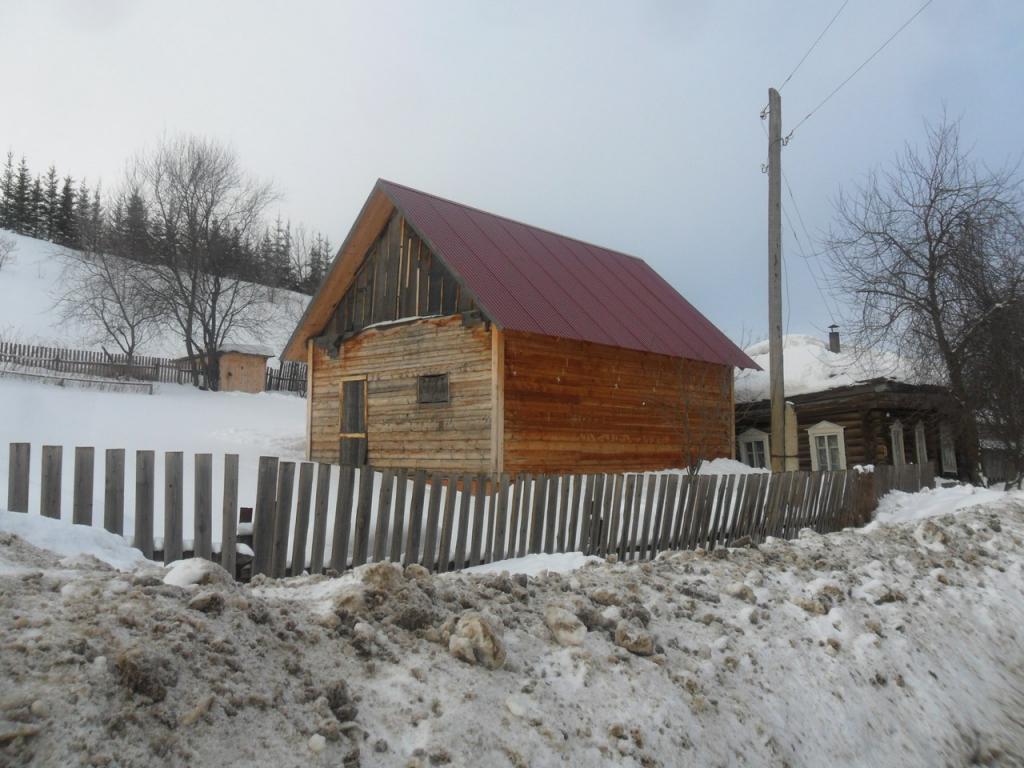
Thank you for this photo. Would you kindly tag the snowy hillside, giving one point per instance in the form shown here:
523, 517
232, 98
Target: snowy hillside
30, 286
811, 367
895, 646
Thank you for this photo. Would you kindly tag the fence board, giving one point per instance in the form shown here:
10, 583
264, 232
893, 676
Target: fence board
477, 531
551, 515
462, 533
513, 517
668, 512
145, 490
501, 519
572, 543
49, 500
323, 490
113, 490
563, 515
364, 509
203, 511
342, 519
524, 515
229, 514
737, 518
540, 488
447, 526
174, 471
81, 507
17, 477
636, 504
609, 536
627, 516
412, 536
301, 532
645, 522
587, 515
263, 515
429, 559
283, 517
380, 533
682, 505
398, 521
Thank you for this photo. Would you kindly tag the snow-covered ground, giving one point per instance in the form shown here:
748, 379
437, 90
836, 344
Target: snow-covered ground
30, 287
894, 646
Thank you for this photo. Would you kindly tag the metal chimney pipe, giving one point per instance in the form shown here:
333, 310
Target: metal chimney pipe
833, 338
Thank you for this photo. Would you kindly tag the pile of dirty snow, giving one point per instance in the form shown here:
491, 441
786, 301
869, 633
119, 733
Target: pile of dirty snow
909, 635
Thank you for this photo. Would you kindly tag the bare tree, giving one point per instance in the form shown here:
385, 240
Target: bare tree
905, 249
109, 296
206, 210
7, 249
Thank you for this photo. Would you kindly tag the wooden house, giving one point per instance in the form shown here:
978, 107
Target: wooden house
446, 337
845, 409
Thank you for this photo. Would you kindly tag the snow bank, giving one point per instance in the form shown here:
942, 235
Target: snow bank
532, 565
811, 367
900, 507
71, 540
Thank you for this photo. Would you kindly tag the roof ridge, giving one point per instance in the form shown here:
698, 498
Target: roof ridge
510, 219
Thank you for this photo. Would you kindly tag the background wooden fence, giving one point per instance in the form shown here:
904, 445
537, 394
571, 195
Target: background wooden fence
290, 377
452, 521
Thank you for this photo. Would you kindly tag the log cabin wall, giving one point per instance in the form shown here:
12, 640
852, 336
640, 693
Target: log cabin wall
573, 406
401, 432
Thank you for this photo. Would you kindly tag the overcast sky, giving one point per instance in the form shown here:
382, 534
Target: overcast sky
633, 125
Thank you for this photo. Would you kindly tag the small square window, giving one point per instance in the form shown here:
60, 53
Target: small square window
432, 389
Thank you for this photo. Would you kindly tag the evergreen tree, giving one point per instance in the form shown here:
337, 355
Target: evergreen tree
134, 236
83, 217
20, 219
7, 193
36, 223
51, 205
64, 217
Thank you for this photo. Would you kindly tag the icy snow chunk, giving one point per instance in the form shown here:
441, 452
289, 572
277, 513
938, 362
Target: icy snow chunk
567, 629
196, 570
534, 565
71, 540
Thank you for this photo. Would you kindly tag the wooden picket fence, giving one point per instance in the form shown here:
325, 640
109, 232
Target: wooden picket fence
290, 377
446, 521
84, 362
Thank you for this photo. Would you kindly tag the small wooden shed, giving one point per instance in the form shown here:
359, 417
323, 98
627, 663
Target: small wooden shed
243, 367
444, 337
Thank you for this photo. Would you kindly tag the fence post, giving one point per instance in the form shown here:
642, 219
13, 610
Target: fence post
263, 515
145, 490
229, 515
17, 477
174, 471
49, 504
282, 518
81, 507
113, 491
202, 519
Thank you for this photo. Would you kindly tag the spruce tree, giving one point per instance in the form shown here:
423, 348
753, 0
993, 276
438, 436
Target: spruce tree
51, 204
135, 237
20, 219
7, 193
83, 215
64, 222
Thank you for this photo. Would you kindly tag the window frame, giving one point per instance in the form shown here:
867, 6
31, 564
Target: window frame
825, 429
947, 449
920, 443
753, 435
447, 389
897, 436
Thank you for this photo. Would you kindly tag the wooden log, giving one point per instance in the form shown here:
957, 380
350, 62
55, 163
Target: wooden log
412, 536
364, 511
648, 516
540, 487
49, 498
550, 518
301, 531
524, 516
263, 515
398, 520
476, 534
561, 533
81, 506
380, 533
462, 532
145, 490
229, 515
444, 549
627, 517
323, 490
283, 517
203, 509
342, 519
501, 519
113, 491
572, 543
174, 471
429, 558
17, 477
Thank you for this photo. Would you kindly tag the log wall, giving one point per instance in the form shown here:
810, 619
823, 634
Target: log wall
400, 431
573, 406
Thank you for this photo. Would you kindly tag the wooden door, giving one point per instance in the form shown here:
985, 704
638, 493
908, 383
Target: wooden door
352, 440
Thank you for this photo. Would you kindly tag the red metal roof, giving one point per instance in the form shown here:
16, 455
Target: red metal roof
529, 279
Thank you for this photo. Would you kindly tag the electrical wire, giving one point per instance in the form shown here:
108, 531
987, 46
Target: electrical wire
813, 45
858, 69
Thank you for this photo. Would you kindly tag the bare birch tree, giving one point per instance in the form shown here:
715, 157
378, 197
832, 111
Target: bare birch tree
905, 249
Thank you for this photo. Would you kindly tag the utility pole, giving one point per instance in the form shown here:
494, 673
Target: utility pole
779, 447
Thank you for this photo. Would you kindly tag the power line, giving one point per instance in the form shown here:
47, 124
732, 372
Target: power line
858, 69
813, 45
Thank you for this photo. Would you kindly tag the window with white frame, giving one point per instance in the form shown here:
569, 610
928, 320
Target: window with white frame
947, 448
828, 446
920, 444
754, 450
899, 454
